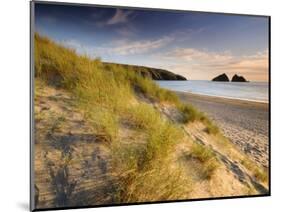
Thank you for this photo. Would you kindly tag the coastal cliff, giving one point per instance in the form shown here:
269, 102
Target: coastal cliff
149, 72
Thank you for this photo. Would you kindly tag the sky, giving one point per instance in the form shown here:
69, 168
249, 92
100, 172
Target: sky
196, 45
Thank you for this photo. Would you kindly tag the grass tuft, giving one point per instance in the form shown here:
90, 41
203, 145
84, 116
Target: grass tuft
211, 128
161, 135
191, 114
103, 122
259, 173
158, 184
207, 158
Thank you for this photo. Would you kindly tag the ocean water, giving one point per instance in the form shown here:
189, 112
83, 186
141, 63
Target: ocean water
251, 91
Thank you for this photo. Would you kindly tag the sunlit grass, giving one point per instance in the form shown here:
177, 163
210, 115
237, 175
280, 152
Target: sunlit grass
145, 169
191, 114
161, 135
104, 92
158, 184
207, 158
259, 173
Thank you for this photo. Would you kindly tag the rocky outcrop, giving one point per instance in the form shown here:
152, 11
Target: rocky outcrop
237, 78
153, 73
179, 77
222, 78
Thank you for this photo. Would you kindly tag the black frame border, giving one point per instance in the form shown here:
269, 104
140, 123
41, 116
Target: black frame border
31, 104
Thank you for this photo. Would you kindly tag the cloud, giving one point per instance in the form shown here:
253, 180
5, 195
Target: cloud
191, 54
202, 64
119, 47
186, 34
125, 47
127, 31
80, 48
72, 43
129, 47
120, 16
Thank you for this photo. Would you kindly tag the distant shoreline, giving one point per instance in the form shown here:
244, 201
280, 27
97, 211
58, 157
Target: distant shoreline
254, 92
223, 97
245, 123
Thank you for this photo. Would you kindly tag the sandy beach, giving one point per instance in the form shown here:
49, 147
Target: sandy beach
245, 123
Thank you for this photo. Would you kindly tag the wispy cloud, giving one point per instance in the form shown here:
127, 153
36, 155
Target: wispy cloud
120, 16
72, 43
131, 47
125, 47
191, 54
186, 34
119, 47
126, 31
202, 64
80, 48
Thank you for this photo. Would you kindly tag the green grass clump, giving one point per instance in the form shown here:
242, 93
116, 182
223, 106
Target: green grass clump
207, 158
211, 128
150, 89
201, 152
143, 116
145, 172
158, 184
144, 167
161, 141
259, 173
191, 114
161, 135
104, 122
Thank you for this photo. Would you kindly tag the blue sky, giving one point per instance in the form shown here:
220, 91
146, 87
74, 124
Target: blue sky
196, 45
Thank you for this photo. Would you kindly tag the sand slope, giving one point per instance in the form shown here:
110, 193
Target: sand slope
73, 165
245, 123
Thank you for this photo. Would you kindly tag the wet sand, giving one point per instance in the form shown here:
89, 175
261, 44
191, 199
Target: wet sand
245, 123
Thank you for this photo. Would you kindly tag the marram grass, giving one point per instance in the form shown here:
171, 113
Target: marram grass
107, 94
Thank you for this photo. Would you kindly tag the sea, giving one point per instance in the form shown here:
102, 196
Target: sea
250, 91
